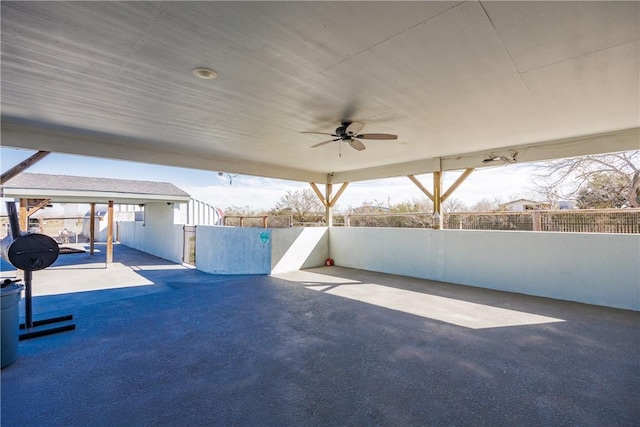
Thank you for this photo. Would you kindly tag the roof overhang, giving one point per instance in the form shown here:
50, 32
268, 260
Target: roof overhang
79, 189
609, 142
102, 197
75, 141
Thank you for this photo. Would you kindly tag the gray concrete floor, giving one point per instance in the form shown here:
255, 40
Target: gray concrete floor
161, 344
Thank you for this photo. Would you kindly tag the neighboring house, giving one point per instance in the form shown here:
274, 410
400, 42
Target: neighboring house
521, 205
566, 204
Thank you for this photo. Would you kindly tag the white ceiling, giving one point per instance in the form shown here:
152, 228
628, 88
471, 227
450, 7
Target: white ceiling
455, 80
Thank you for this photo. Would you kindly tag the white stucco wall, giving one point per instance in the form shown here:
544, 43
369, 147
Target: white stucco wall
230, 250
297, 248
601, 269
157, 235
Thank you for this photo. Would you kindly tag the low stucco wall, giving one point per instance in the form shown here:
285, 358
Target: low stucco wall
297, 248
231, 250
156, 235
600, 269
162, 241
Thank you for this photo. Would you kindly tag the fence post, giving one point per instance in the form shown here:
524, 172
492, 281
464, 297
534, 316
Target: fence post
536, 220
265, 221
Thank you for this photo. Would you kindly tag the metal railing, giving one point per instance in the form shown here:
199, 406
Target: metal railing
592, 221
202, 213
577, 220
399, 220
521, 221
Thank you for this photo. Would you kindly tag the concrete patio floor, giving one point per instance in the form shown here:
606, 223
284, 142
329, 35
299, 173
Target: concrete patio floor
162, 344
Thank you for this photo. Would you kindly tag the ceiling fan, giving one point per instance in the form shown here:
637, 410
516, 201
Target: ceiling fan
348, 132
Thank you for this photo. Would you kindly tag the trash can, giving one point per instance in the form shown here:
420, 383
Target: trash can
10, 321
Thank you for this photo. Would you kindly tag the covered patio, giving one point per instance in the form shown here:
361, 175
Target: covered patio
461, 85
160, 344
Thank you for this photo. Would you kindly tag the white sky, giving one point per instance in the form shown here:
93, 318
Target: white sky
504, 182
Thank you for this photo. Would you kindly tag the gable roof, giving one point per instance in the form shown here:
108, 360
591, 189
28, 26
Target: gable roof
521, 200
82, 189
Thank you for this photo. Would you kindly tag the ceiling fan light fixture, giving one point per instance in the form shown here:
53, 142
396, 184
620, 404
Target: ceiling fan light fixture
491, 158
511, 158
205, 73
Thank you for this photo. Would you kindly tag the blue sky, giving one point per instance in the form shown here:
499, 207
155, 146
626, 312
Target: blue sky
503, 182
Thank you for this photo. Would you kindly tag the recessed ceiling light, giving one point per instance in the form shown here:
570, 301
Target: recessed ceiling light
205, 73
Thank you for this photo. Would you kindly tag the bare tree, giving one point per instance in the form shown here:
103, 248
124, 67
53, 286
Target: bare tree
242, 211
486, 205
454, 205
414, 205
603, 191
304, 205
563, 178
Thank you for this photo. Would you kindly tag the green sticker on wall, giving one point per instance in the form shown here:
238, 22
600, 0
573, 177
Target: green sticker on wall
264, 236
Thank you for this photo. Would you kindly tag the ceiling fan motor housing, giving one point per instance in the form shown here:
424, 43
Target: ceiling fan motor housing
341, 131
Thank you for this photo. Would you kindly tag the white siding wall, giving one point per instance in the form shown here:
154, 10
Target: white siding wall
157, 235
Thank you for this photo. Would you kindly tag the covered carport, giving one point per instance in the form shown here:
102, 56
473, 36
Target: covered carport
462, 86
36, 191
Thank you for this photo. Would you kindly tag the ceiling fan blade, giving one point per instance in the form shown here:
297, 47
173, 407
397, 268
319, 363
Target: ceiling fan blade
358, 145
320, 133
377, 136
323, 143
354, 128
